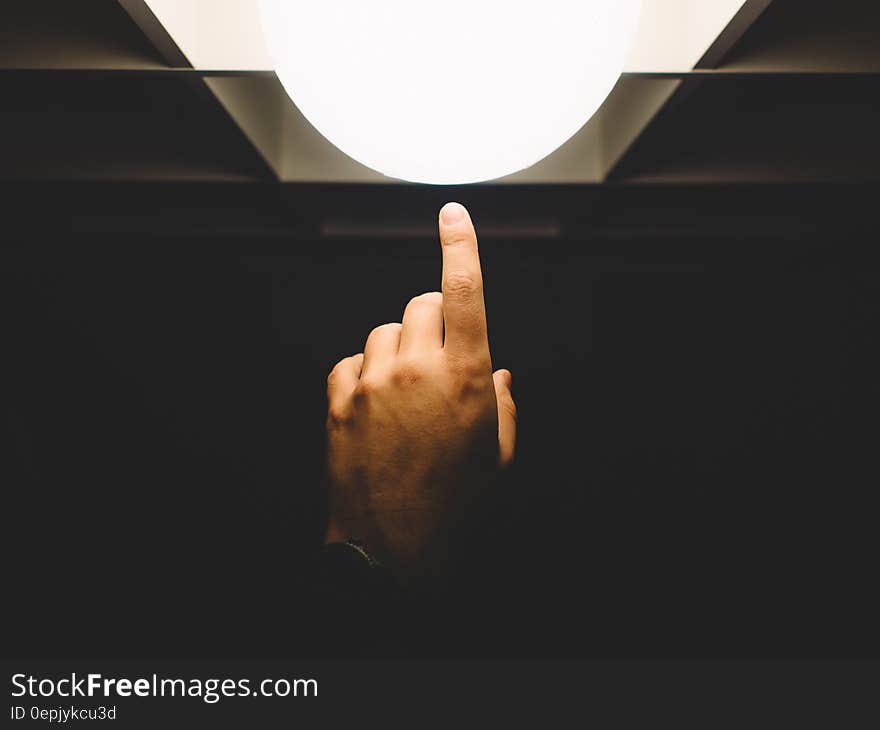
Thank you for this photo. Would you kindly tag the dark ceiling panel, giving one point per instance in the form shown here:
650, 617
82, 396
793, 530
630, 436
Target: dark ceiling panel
801, 129
811, 35
58, 127
72, 34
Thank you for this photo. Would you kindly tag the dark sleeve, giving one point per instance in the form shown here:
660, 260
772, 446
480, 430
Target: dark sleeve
361, 609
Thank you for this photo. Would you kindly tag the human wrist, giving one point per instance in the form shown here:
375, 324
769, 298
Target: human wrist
354, 539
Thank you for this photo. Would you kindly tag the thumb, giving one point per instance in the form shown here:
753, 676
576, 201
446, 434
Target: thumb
506, 417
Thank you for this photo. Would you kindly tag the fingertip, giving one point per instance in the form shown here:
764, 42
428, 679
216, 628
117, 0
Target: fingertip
505, 376
452, 213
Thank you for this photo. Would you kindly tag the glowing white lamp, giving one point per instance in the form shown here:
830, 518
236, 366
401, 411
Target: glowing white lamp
452, 91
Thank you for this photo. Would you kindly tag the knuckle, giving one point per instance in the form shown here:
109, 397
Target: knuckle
333, 375
337, 415
471, 386
462, 284
467, 389
367, 387
408, 372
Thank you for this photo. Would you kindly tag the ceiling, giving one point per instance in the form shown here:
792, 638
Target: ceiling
715, 92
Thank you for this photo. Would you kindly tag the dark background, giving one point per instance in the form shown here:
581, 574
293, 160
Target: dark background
697, 456
694, 347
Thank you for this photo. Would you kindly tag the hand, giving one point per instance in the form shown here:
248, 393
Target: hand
418, 425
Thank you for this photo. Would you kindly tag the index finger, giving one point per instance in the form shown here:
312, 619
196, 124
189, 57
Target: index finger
464, 312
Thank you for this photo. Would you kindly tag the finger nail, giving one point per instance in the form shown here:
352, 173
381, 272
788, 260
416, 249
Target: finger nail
451, 213
508, 377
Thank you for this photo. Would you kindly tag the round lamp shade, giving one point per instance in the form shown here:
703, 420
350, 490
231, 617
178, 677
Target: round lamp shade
454, 91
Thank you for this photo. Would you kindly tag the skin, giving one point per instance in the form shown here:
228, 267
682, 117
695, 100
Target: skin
418, 425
